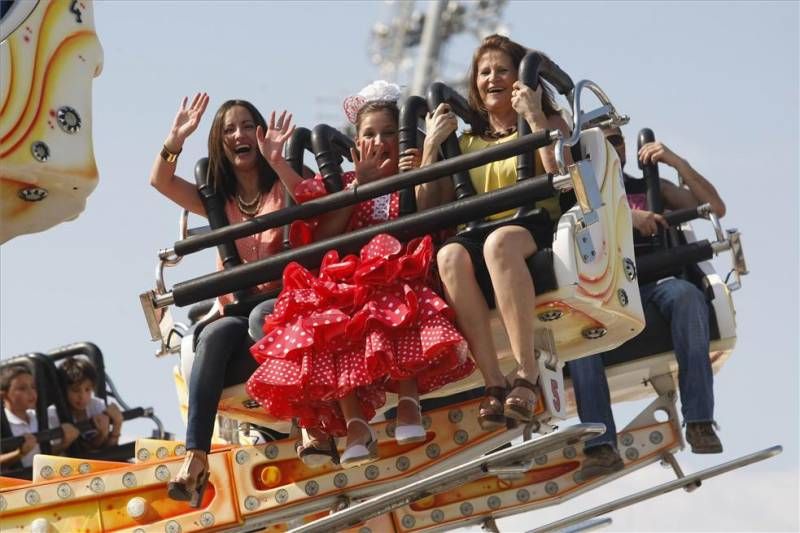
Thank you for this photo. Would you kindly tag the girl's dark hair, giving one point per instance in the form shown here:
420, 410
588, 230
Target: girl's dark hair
219, 168
374, 106
76, 370
516, 52
9, 373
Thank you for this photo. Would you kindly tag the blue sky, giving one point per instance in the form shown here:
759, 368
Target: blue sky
717, 82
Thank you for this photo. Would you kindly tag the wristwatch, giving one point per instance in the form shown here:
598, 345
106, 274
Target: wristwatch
169, 157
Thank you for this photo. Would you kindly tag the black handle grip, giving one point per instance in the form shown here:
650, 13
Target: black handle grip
414, 109
439, 93
679, 216
330, 147
217, 218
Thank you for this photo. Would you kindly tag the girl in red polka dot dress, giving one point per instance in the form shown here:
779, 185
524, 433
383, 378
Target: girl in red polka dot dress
339, 339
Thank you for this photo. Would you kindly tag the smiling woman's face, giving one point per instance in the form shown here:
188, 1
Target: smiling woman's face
495, 76
239, 138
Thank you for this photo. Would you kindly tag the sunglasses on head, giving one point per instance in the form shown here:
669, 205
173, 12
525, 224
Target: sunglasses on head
616, 140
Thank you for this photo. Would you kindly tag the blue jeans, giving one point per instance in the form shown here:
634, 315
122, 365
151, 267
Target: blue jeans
222, 359
685, 308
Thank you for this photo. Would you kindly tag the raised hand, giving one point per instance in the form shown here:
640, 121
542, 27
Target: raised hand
527, 102
186, 121
658, 152
409, 160
367, 161
440, 124
270, 142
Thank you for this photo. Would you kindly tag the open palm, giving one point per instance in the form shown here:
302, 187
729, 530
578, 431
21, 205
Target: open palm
188, 117
270, 142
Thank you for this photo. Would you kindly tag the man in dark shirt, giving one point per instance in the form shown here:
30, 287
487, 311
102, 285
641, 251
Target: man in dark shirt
681, 303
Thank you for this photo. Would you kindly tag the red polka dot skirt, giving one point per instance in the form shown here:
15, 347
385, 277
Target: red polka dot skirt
360, 325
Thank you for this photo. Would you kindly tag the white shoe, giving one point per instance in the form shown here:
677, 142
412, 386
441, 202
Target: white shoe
407, 434
359, 454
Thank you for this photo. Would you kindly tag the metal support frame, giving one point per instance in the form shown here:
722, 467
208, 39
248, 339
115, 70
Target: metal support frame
453, 477
658, 490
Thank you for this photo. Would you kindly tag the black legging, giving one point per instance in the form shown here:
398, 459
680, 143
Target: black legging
222, 359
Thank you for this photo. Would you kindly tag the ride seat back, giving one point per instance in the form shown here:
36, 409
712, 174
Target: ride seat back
595, 305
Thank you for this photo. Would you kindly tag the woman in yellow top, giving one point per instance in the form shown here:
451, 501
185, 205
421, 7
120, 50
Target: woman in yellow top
473, 267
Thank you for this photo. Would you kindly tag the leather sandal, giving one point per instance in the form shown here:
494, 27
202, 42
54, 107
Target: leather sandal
490, 411
519, 408
315, 453
192, 479
409, 433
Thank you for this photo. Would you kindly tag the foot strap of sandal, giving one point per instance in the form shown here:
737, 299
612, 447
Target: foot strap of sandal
524, 383
496, 392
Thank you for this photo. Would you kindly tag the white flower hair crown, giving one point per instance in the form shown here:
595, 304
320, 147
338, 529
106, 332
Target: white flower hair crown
380, 90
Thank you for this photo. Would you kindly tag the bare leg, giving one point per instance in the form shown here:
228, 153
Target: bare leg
407, 412
505, 251
472, 314
356, 433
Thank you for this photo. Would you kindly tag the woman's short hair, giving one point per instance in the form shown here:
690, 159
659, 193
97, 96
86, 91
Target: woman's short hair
76, 370
516, 52
219, 168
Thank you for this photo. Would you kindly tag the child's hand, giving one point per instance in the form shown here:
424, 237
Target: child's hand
101, 422
370, 164
409, 160
114, 414
70, 434
28, 444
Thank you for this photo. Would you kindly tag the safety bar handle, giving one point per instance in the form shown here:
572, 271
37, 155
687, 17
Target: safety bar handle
439, 93
679, 216
330, 147
414, 109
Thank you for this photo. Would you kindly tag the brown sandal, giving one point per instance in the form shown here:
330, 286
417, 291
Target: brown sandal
191, 481
518, 408
316, 453
490, 411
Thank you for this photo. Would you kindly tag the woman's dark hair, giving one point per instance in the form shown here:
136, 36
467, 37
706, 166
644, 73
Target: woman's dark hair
516, 52
11, 372
219, 168
375, 106
76, 370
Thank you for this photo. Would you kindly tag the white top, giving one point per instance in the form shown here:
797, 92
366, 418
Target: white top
20, 427
96, 406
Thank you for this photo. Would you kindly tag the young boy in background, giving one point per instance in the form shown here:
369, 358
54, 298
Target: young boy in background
78, 378
18, 391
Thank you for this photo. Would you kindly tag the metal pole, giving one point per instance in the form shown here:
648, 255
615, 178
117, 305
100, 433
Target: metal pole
429, 47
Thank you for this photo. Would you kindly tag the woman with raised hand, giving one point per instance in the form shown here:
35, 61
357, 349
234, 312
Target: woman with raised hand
339, 339
478, 271
250, 188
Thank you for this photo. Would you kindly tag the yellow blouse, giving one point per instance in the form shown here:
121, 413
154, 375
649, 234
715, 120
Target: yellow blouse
499, 174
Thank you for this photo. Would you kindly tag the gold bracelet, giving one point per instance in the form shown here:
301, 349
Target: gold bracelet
169, 157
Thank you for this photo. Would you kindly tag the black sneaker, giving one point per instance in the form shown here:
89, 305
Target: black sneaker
702, 437
600, 461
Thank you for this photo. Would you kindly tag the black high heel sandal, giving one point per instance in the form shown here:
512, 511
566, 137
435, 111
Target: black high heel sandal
192, 480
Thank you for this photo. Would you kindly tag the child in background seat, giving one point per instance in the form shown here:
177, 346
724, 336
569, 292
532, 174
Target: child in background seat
78, 378
18, 390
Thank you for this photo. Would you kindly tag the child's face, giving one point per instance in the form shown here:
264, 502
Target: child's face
380, 127
21, 393
79, 395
